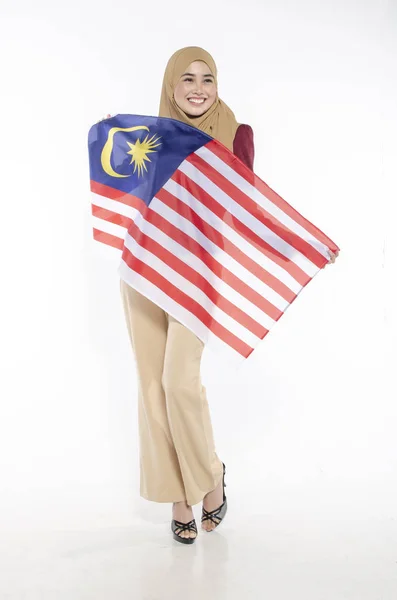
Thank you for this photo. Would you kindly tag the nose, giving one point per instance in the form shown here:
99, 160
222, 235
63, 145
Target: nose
198, 89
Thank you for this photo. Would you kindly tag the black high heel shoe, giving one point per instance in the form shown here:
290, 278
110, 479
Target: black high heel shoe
178, 528
216, 516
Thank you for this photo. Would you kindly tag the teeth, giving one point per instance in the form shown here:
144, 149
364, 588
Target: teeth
196, 101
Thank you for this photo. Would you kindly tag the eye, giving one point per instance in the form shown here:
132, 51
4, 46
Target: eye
188, 79
208, 80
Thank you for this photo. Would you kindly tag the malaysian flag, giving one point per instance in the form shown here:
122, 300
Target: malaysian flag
200, 234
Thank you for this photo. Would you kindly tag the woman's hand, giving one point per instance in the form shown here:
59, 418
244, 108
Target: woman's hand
103, 118
334, 256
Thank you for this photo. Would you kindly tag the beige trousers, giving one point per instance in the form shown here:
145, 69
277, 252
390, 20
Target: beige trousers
177, 454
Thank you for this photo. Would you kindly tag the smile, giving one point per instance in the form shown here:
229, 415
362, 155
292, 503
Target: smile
197, 100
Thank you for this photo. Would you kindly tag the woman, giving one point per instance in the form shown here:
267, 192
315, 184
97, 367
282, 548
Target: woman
177, 454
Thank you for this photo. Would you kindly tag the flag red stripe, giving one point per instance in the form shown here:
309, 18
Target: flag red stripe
113, 194
108, 239
110, 216
186, 302
222, 153
196, 279
257, 211
194, 247
217, 238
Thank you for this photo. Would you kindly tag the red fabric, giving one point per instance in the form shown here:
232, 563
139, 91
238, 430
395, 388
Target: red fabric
243, 145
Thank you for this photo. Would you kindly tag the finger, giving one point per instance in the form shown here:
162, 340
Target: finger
103, 118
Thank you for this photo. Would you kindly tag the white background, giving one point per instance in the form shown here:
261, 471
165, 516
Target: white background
307, 428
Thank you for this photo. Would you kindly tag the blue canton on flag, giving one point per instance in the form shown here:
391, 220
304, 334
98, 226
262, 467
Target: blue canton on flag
138, 155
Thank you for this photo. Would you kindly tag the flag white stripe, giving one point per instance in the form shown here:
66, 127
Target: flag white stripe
190, 290
229, 233
113, 205
108, 227
237, 180
252, 222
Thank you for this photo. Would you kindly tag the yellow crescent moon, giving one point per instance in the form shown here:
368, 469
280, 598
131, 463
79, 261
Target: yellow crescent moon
108, 148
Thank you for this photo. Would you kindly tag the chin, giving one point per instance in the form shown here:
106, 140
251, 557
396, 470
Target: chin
195, 112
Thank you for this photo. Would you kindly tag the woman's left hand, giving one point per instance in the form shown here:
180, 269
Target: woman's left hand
334, 256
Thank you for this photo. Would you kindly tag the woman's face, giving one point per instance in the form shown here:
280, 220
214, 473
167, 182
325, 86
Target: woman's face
196, 90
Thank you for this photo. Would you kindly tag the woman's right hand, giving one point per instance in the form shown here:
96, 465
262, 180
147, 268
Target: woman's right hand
103, 118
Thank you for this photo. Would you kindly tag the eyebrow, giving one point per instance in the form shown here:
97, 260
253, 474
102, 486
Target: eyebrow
193, 75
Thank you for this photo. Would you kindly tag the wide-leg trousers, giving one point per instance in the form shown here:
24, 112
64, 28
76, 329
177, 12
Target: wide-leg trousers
177, 453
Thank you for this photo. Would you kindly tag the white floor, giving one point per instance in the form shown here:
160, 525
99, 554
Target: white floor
279, 555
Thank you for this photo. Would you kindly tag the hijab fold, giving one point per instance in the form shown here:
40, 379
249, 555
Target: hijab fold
219, 121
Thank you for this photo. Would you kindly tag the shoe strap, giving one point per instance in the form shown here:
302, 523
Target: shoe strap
211, 515
191, 526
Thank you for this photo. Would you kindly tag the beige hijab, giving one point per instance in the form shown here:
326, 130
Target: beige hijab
219, 121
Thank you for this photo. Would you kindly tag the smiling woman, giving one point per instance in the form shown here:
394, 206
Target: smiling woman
178, 459
190, 94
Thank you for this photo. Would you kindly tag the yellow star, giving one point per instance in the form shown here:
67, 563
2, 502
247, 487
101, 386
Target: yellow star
139, 152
